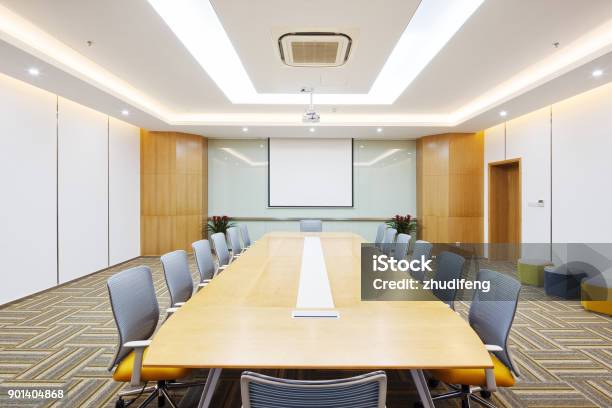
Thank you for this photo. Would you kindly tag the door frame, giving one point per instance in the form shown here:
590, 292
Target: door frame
520, 193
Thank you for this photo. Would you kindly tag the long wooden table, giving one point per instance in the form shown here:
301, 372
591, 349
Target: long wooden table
243, 319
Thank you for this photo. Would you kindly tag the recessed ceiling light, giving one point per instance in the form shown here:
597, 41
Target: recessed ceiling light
503, 113
597, 73
379, 130
33, 71
125, 112
311, 130
245, 129
361, 146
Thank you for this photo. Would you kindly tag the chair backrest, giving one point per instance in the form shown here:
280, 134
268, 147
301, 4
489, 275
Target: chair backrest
178, 277
364, 391
134, 306
449, 266
380, 234
401, 246
422, 251
387, 243
246, 238
492, 312
204, 260
233, 233
311, 226
220, 246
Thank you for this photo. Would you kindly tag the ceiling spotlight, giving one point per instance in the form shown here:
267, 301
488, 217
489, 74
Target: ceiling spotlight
597, 73
503, 113
33, 71
311, 130
125, 112
379, 130
245, 129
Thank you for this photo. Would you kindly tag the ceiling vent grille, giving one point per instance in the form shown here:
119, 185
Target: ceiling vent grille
314, 49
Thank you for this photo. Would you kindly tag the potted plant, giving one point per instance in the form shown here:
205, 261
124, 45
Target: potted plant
218, 223
404, 224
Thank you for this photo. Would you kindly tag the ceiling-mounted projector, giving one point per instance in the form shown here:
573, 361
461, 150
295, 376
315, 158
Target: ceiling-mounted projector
310, 115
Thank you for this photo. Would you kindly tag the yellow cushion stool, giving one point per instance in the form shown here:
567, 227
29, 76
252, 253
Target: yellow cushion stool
596, 293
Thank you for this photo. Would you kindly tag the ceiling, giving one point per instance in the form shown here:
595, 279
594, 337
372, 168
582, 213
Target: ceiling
501, 58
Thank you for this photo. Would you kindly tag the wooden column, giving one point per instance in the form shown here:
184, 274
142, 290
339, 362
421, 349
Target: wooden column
450, 187
174, 190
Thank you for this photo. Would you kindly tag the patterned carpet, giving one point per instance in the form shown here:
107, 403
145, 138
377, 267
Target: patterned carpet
64, 339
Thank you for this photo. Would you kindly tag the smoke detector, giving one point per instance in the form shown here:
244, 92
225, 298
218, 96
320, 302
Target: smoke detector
316, 49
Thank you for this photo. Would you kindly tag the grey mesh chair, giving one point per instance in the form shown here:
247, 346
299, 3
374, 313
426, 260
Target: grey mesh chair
491, 316
178, 277
380, 234
401, 246
246, 238
449, 266
233, 234
221, 250
204, 261
136, 313
311, 226
364, 391
387, 244
421, 252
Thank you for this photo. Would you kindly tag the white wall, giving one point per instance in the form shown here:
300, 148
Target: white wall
55, 151
124, 191
565, 153
28, 180
82, 190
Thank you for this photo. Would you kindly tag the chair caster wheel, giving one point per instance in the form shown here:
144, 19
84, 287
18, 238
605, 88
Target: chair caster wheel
161, 401
433, 383
465, 404
120, 403
418, 404
485, 394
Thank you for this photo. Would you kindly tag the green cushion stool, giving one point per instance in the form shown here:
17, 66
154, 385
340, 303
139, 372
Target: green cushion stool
531, 271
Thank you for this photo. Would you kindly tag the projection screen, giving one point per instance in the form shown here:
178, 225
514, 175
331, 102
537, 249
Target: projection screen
310, 172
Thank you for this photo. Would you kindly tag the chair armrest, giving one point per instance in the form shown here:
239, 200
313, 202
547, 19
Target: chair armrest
493, 347
203, 284
222, 268
179, 304
139, 347
490, 380
171, 310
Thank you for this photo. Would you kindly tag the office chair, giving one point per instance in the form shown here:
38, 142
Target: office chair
449, 266
422, 251
233, 234
364, 391
178, 277
311, 226
204, 261
221, 250
491, 316
246, 238
380, 234
136, 313
401, 246
387, 243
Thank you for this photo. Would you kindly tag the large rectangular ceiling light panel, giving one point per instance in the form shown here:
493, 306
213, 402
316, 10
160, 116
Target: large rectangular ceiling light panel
310, 173
198, 27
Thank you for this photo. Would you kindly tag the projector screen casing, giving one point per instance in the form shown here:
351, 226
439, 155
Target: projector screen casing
347, 202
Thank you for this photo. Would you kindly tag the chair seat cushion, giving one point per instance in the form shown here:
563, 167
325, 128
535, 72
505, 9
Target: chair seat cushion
475, 376
123, 373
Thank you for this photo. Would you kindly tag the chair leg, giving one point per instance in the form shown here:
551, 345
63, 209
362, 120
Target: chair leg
166, 396
482, 401
448, 395
150, 398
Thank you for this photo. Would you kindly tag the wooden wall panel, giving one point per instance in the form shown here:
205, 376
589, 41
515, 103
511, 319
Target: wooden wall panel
450, 187
174, 192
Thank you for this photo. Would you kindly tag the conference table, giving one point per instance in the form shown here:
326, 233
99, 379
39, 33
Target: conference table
247, 317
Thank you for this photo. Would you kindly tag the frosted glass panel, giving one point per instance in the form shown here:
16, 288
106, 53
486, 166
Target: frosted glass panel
384, 183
